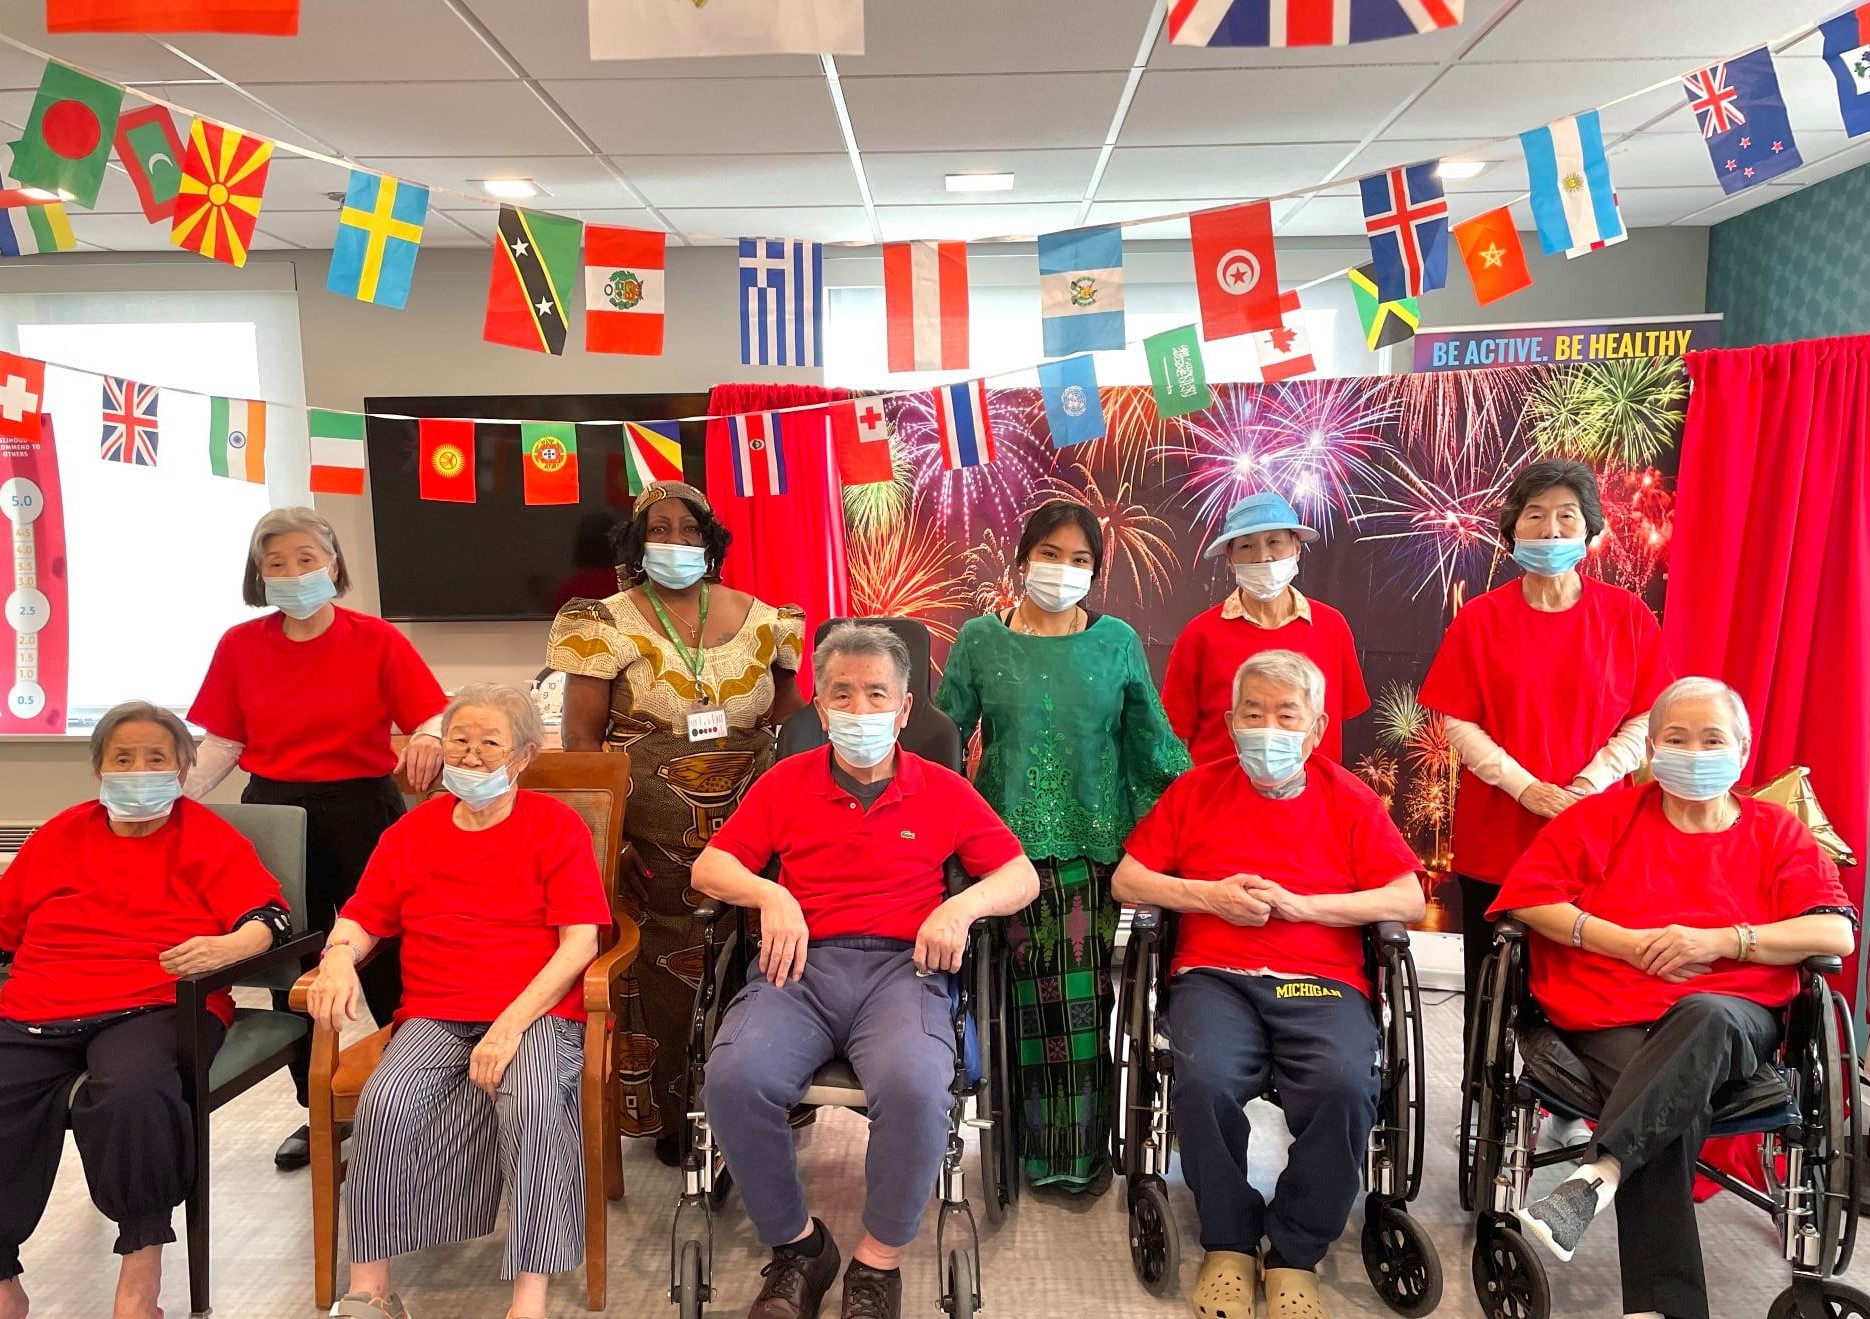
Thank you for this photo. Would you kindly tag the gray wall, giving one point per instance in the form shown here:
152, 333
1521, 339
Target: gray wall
1796, 269
353, 351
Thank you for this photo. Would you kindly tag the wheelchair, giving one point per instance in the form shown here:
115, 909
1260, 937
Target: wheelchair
1398, 1255
983, 1049
1804, 1104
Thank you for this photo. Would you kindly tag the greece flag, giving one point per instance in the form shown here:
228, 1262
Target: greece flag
1574, 202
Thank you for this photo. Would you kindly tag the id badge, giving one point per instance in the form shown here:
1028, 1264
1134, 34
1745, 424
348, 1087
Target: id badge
707, 725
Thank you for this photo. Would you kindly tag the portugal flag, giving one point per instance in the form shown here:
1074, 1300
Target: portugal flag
447, 460
223, 179
550, 461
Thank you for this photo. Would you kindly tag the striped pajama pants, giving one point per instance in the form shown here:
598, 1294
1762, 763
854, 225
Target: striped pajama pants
431, 1152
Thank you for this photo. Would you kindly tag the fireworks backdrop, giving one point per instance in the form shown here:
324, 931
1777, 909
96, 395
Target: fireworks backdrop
1403, 475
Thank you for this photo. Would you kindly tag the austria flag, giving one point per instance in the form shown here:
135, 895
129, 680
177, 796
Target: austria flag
925, 305
966, 434
759, 458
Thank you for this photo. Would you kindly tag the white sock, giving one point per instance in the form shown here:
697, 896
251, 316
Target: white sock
1606, 1171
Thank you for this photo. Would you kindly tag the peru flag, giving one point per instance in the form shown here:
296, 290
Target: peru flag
925, 299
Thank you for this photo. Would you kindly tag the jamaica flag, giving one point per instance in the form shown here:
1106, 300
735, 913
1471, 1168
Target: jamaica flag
535, 261
1385, 323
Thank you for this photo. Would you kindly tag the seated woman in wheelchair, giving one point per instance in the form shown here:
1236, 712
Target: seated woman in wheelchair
1275, 863
496, 896
1673, 915
104, 908
857, 938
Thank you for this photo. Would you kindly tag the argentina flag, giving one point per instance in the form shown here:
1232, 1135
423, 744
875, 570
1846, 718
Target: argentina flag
781, 302
1573, 200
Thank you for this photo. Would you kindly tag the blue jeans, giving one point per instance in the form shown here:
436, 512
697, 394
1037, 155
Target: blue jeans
859, 999
1315, 1042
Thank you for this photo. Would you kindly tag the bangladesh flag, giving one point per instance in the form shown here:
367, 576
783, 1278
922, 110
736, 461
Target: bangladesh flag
550, 461
535, 260
68, 135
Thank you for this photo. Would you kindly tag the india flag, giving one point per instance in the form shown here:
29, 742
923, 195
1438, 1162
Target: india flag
30, 225
237, 439
337, 452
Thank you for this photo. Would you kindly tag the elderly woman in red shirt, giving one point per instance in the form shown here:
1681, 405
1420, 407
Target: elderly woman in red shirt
1674, 916
104, 908
496, 896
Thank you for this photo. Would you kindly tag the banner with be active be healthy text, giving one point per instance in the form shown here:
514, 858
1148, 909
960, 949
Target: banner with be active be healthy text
1465, 347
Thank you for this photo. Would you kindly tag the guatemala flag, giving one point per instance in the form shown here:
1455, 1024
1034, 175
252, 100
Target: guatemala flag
961, 417
1847, 52
1081, 290
1573, 200
1072, 409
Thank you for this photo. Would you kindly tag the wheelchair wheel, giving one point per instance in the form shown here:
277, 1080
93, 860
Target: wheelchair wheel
1400, 1259
992, 1132
1155, 1242
1486, 1109
723, 1183
1509, 1279
1841, 1301
960, 1301
1839, 1178
688, 1281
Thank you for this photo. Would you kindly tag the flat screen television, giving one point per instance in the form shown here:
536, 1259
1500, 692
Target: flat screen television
498, 557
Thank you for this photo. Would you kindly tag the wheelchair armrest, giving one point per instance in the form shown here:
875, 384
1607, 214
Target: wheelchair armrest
1822, 964
955, 878
1390, 934
303, 949
710, 910
1506, 928
1145, 918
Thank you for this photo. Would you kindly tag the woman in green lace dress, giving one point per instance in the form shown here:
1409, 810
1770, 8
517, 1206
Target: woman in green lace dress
1075, 748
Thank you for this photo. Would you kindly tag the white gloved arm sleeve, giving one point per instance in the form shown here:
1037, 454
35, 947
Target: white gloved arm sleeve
1487, 760
1620, 756
428, 728
215, 758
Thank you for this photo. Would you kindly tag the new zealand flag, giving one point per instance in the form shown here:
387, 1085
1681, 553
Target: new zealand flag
1743, 120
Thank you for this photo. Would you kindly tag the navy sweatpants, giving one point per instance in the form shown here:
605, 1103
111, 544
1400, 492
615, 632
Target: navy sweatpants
1313, 1040
860, 998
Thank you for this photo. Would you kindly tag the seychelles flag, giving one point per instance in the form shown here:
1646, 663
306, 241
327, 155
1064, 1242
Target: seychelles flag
1847, 53
961, 416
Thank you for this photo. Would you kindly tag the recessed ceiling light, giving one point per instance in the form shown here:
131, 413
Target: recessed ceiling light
993, 182
512, 189
41, 195
1463, 169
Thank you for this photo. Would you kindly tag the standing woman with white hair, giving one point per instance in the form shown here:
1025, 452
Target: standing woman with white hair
304, 699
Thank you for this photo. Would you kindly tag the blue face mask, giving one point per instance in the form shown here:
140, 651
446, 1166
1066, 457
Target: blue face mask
301, 597
1549, 558
1270, 756
477, 788
1695, 775
676, 567
862, 739
139, 796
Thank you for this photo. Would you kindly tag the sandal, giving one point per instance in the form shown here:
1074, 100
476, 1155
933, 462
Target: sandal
362, 1305
1226, 1286
1293, 1294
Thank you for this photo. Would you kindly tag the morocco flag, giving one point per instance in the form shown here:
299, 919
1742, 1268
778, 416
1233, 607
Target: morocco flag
266, 18
551, 461
1496, 261
447, 460
623, 290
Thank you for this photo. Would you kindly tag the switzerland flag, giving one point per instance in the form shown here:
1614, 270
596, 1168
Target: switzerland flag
266, 18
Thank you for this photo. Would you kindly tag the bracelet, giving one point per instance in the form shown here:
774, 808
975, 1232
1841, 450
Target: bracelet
1577, 929
1752, 943
1740, 943
336, 944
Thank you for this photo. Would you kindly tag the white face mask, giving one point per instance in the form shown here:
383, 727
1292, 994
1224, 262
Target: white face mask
862, 739
1266, 581
1056, 587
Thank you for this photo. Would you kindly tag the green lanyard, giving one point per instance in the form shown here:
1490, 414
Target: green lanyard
691, 658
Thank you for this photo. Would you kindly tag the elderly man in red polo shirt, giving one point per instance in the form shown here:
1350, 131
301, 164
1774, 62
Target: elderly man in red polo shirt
1275, 859
857, 946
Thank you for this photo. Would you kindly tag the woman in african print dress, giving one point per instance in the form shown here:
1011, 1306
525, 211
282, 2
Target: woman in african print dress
1075, 748
691, 678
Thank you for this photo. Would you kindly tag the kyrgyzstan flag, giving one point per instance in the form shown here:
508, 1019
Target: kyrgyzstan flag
1496, 260
447, 460
265, 18
860, 435
1235, 271
623, 290
550, 461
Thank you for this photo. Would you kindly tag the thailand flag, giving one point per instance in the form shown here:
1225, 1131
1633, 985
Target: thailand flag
1304, 22
1574, 202
759, 458
1847, 52
966, 435
1407, 218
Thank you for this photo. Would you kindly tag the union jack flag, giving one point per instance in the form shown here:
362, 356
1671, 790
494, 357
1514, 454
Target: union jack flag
1406, 216
129, 422
1715, 104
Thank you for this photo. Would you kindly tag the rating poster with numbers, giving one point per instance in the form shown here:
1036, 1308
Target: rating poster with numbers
35, 643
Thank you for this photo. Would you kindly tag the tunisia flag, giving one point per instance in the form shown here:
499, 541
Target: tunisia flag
1235, 272
264, 18
447, 461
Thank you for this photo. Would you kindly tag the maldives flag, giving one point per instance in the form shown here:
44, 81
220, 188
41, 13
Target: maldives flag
623, 290
925, 305
266, 18
860, 435
447, 460
1236, 273
550, 461
1496, 261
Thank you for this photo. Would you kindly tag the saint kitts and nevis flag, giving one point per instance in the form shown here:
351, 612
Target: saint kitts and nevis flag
30, 225
623, 307
68, 135
1304, 22
237, 439
1847, 53
535, 261
337, 440
550, 461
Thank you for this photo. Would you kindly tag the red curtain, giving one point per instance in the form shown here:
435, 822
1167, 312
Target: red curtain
789, 549
1769, 584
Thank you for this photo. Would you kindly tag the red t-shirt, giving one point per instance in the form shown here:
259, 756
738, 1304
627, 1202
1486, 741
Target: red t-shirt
858, 872
316, 711
1334, 837
1198, 688
479, 911
1617, 856
1551, 689
88, 911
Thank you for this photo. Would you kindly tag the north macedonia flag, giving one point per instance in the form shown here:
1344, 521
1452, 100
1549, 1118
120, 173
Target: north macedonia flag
223, 178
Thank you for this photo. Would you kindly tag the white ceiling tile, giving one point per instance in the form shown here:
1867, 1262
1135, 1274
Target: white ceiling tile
1169, 230
1827, 160
1333, 216
1680, 30
1265, 105
774, 180
446, 228
444, 118
1429, 48
978, 112
569, 181
561, 47
991, 36
920, 177
823, 224
121, 57
353, 41
704, 116
215, 101
1713, 207
1217, 173
1647, 207
1478, 101
976, 221
633, 217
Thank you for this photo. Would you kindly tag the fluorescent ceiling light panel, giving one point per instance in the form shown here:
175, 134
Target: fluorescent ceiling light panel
980, 182
1463, 169
510, 189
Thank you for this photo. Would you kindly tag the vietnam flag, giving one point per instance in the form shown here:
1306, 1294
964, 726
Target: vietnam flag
447, 460
265, 18
551, 461
1496, 261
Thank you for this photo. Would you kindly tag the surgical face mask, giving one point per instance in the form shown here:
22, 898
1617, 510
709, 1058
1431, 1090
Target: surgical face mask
1266, 581
862, 739
301, 597
1549, 558
1270, 756
139, 796
1696, 775
1056, 587
675, 567
477, 788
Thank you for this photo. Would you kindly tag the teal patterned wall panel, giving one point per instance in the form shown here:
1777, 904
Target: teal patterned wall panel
1797, 269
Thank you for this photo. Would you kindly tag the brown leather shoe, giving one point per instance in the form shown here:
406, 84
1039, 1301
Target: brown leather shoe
796, 1284
871, 1293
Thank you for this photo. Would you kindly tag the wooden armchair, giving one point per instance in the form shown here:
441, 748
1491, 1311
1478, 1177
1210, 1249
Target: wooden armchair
596, 785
